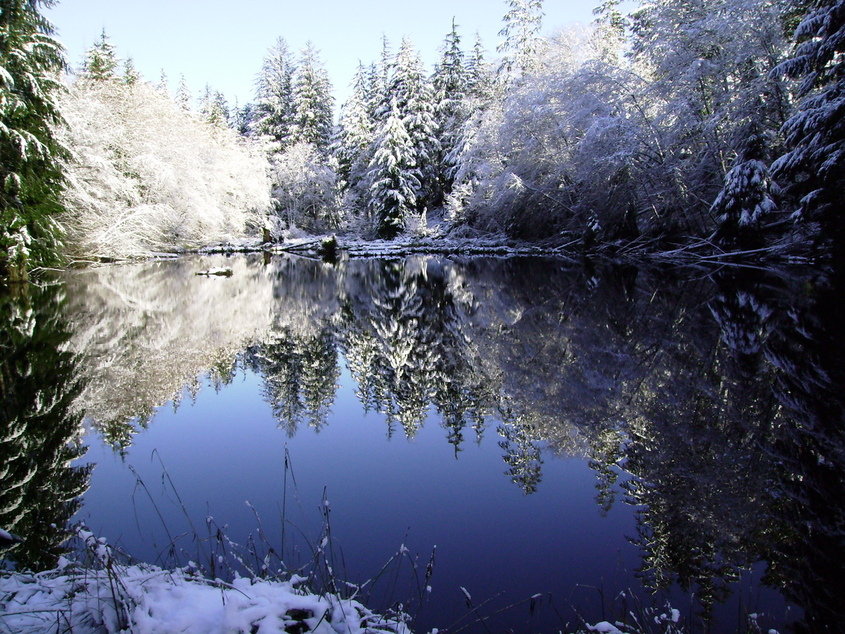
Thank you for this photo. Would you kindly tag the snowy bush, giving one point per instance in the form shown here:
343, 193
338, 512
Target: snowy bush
147, 176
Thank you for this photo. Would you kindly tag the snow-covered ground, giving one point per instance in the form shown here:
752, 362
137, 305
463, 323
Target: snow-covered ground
147, 599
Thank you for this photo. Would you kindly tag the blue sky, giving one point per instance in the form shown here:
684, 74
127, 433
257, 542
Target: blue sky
223, 43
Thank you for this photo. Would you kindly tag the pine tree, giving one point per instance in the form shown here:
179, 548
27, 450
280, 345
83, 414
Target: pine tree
813, 170
312, 101
520, 38
273, 112
30, 156
100, 61
393, 174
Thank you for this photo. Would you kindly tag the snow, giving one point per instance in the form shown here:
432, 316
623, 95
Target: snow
605, 628
148, 599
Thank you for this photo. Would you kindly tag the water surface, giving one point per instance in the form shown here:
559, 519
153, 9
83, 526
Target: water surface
600, 438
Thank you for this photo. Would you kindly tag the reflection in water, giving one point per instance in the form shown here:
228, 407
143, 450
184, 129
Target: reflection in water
717, 395
39, 435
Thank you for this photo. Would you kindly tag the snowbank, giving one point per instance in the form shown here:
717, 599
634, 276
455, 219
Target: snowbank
148, 599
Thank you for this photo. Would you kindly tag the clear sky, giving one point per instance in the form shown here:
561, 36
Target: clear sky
223, 43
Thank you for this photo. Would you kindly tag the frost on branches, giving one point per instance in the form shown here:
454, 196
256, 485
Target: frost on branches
148, 176
305, 190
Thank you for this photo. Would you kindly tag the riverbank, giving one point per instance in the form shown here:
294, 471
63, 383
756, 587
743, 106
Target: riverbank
107, 596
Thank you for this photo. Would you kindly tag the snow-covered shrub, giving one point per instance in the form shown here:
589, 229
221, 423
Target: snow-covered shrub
305, 189
146, 175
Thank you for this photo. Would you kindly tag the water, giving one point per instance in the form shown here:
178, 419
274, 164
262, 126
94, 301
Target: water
603, 439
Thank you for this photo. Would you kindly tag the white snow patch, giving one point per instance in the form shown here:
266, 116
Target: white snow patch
151, 599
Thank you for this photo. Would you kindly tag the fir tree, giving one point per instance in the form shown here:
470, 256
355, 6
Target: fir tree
213, 107
100, 61
162, 86
450, 84
273, 112
243, 117
393, 174
520, 38
312, 101
376, 92
814, 169
183, 94
478, 76
356, 129
380, 96
746, 197
130, 74
411, 93
30, 156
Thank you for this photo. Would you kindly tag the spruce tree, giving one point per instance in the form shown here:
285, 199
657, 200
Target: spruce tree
813, 170
273, 113
30, 156
312, 101
393, 174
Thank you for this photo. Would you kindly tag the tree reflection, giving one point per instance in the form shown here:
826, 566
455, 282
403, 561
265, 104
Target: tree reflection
715, 395
39, 433
300, 376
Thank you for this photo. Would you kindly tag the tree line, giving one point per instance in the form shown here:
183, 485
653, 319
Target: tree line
712, 125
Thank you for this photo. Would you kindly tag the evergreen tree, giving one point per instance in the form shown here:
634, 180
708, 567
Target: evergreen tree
243, 117
375, 93
312, 101
380, 96
411, 93
162, 86
520, 38
183, 94
30, 156
450, 84
273, 112
478, 75
813, 170
213, 107
746, 197
394, 177
130, 74
100, 61
356, 130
